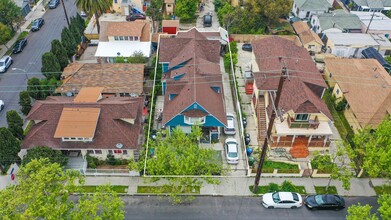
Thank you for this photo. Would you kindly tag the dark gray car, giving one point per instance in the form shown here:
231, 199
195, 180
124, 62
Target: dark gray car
37, 24
53, 4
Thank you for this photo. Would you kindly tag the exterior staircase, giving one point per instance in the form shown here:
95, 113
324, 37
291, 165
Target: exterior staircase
261, 116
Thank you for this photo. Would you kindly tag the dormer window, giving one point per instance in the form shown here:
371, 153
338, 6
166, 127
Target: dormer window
302, 117
126, 38
172, 96
216, 89
116, 38
121, 38
194, 120
135, 38
131, 38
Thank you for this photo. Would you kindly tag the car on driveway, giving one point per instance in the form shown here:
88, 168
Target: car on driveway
247, 47
231, 151
5, 63
135, 17
230, 128
325, 201
53, 4
284, 200
1, 105
37, 24
19, 45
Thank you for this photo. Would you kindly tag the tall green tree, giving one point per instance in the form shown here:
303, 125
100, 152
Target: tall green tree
5, 34
68, 42
50, 66
95, 7
385, 206
34, 88
360, 212
9, 13
186, 9
274, 9
9, 148
15, 124
25, 102
54, 156
154, 11
61, 54
43, 192
81, 23
75, 30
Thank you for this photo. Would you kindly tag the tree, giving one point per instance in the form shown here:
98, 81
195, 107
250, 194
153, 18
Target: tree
68, 42
186, 9
15, 124
81, 23
154, 11
9, 13
43, 192
96, 7
178, 155
274, 9
61, 54
9, 148
54, 156
359, 212
137, 57
385, 206
75, 30
24, 102
50, 66
34, 88
5, 34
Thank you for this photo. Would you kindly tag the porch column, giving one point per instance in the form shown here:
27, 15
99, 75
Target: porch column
293, 140
309, 140
325, 140
278, 139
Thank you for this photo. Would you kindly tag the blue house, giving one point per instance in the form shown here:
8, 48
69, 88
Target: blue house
192, 84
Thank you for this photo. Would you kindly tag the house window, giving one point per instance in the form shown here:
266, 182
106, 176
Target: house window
115, 1
130, 38
168, 6
337, 91
121, 38
118, 151
216, 89
116, 38
73, 139
110, 152
90, 151
135, 38
126, 38
79, 139
65, 138
98, 151
172, 96
194, 120
125, 152
301, 117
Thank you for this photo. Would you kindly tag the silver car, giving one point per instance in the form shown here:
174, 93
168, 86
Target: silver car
231, 151
5, 63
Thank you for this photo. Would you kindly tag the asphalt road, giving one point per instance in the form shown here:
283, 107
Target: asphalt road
28, 63
227, 208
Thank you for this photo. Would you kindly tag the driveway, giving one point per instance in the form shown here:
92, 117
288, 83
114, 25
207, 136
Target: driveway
28, 62
208, 8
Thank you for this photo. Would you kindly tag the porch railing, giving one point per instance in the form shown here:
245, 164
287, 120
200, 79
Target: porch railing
303, 124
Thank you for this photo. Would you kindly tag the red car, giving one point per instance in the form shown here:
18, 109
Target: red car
135, 17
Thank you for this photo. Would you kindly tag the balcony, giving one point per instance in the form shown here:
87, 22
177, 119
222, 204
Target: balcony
312, 123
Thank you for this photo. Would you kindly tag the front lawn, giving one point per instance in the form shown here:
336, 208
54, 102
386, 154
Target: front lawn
269, 166
380, 190
165, 189
92, 189
322, 190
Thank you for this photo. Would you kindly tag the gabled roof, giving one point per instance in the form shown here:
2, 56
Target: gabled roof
373, 3
139, 28
306, 35
170, 23
303, 89
317, 5
339, 19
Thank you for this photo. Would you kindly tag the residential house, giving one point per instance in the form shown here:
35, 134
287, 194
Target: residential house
170, 26
192, 83
379, 23
337, 21
116, 79
351, 45
169, 7
303, 119
305, 9
371, 5
372, 53
87, 124
128, 7
123, 39
365, 86
310, 40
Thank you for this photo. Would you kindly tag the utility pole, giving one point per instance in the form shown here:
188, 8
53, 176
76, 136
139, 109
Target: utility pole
65, 12
373, 14
269, 129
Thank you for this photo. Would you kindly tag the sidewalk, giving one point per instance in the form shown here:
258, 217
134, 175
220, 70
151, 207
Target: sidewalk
36, 12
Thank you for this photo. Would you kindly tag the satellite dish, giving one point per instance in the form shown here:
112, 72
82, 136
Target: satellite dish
119, 145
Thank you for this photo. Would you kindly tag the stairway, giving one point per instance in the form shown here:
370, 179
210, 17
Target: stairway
249, 88
299, 150
261, 116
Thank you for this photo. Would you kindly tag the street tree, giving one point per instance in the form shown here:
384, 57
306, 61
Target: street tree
68, 42
186, 9
9, 13
54, 156
43, 192
15, 124
95, 7
154, 11
274, 9
25, 102
9, 149
74, 27
5, 34
34, 88
50, 66
385, 206
81, 23
179, 155
61, 54
360, 212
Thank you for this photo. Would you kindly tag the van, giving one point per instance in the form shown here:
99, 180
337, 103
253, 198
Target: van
208, 20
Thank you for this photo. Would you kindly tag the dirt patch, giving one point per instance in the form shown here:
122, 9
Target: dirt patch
113, 167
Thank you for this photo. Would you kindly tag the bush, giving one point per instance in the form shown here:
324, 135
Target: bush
273, 187
287, 186
111, 160
234, 47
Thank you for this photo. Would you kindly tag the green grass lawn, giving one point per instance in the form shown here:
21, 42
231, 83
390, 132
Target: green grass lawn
382, 190
269, 166
164, 189
92, 189
322, 190
266, 189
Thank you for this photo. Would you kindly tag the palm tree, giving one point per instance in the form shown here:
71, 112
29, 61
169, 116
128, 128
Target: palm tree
96, 7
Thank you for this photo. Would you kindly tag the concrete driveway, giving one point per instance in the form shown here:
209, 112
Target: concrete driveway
208, 8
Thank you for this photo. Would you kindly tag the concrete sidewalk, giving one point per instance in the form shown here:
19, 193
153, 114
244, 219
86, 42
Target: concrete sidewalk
36, 12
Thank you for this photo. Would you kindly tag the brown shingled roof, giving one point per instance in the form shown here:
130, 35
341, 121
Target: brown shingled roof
300, 27
138, 28
170, 23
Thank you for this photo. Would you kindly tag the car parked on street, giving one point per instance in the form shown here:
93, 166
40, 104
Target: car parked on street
53, 4
247, 47
1, 105
19, 45
37, 24
284, 200
230, 128
325, 201
5, 63
135, 17
231, 151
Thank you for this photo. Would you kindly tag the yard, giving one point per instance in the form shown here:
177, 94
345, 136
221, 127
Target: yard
270, 166
92, 189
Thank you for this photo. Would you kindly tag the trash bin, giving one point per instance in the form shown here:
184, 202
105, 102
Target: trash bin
249, 151
251, 160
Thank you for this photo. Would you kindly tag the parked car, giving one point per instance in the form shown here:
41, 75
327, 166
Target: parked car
135, 17
53, 4
1, 105
325, 201
231, 151
19, 45
208, 20
83, 14
230, 128
37, 24
247, 47
5, 63
285, 200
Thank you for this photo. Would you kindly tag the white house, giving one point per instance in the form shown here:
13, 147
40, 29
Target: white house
381, 24
337, 21
304, 9
371, 5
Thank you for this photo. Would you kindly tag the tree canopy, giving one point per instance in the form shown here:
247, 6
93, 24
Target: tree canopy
9, 148
186, 9
137, 57
15, 124
61, 54
24, 102
54, 156
95, 7
360, 212
50, 66
5, 34
154, 11
9, 13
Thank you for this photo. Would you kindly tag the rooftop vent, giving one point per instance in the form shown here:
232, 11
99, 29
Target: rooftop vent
119, 145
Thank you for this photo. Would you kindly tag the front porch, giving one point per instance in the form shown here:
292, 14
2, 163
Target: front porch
308, 141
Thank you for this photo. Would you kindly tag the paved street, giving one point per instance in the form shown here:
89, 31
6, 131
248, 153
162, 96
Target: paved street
29, 61
226, 208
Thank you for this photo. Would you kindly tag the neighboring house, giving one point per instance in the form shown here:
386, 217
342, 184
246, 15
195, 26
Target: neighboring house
123, 39
371, 5
87, 124
24, 5
169, 7
372, 53
366, 87
128, 7
380, 24
310, 40
116, 79
305, 119
170, 26
351, 45
304, 9
192, 83
337, 21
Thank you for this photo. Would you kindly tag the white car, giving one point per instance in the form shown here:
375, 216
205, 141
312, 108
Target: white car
230, 128
284, 200
231, 151
5, 63
83, 14
1, 105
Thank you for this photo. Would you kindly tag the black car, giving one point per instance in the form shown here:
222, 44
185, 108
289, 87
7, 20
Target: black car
325, 201
53, 4
19, 45
247, 47
37, 24
135, 17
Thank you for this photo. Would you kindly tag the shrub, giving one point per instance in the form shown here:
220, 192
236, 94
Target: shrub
272, 187
287, 186
111, 160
